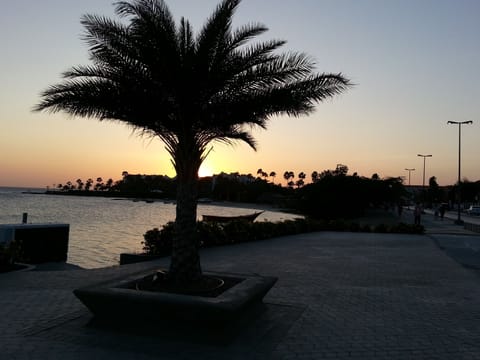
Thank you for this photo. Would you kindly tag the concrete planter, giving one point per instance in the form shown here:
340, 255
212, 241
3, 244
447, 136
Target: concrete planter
116, 300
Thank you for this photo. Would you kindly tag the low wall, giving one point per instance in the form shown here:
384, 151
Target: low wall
39, 243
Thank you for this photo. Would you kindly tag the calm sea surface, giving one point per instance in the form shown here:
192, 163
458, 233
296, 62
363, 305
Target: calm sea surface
102, 228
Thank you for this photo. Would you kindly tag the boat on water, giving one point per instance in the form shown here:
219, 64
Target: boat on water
223, 219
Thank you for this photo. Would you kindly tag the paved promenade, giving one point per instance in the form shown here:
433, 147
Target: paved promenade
339, 296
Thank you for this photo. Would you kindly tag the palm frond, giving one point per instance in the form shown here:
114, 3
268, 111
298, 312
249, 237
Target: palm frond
163, 81
245, 33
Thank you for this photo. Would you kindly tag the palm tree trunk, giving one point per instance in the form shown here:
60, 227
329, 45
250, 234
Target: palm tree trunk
185, 262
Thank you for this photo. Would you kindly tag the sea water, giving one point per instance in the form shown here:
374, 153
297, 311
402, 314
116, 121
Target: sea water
103, 228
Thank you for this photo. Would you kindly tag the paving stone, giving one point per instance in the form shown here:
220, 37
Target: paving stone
339, 296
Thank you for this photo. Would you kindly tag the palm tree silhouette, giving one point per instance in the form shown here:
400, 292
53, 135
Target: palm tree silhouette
79, 184
88, 184
301, 179
273, 174
189, 91
287, 175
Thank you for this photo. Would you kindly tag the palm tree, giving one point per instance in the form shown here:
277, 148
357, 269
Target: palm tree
99, 184
109, 184
189, 91
272, 175
79, 184
88, 184
287, 175
301, 179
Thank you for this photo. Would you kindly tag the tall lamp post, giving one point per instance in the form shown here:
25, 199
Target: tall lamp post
409, 172
424, 156
423, 184
459, 123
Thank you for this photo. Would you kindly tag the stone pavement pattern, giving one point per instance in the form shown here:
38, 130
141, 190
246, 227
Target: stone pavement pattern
339, 296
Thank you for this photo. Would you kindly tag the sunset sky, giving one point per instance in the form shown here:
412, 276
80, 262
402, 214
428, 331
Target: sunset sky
415, 63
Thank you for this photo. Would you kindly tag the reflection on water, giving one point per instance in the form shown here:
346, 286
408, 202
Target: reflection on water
102, 228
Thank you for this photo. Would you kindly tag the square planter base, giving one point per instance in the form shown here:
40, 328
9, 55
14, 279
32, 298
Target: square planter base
117, 301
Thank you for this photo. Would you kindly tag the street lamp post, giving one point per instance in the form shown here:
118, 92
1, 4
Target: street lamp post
459, 123
423, 184
409, 172
424, 156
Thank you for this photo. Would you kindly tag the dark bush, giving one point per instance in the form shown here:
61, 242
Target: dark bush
159, 242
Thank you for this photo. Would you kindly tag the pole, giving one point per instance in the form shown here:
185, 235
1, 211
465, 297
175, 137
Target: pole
459, 194
423, 186
409, 172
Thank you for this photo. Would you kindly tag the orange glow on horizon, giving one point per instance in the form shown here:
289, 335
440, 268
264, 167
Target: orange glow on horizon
205, 170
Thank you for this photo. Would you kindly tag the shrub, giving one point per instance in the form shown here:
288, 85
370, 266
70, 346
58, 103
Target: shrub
159, 242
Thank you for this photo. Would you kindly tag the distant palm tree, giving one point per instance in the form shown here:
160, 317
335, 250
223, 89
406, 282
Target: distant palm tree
109, 184
301, 179
272, 175
88, 184
79, 184
99, 184
188, 91
287, 175
69, 185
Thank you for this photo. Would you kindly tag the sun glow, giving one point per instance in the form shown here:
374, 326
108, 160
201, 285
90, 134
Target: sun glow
205, 170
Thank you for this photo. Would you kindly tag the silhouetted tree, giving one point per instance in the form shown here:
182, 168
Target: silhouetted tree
79, 184
343, 196
188, 91
341, 169
99, 184
109, 183
273, 174
287, 175
325, 174
301, 179
88, 184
